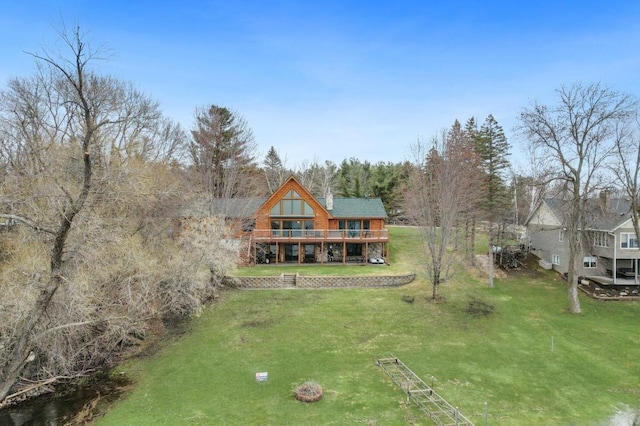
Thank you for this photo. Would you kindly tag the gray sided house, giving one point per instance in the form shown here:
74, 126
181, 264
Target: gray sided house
610, 251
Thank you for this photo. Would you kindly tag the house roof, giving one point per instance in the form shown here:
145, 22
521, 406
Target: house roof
227, 207
553, 208
355, 207
246, 207
618, 212
603, 215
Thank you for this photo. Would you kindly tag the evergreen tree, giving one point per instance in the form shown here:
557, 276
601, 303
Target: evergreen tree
493, 149
472, 137
354, 178
471, 128
386, 182
222, 151
274, 170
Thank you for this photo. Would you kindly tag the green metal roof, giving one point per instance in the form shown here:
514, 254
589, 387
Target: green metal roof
356, 207
246, 207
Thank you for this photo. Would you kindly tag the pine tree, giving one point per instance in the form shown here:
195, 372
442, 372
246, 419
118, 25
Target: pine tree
274, 170
493, 148
222, 151
354, 178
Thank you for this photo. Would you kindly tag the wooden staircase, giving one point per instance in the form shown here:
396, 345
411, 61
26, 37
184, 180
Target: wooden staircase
289, 280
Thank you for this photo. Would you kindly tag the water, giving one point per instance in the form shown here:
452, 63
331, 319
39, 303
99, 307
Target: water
73, 408
82, 404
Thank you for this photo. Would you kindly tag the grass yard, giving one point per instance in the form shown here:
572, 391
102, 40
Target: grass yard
333, 337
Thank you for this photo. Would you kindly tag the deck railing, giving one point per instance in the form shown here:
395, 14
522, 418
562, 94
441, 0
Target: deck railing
320, 234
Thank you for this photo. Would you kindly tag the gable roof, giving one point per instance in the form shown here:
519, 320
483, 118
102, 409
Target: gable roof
546, 209
602, 215
291, 183
617, 213
246, 207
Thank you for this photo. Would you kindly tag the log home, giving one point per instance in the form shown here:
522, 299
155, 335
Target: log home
294, 227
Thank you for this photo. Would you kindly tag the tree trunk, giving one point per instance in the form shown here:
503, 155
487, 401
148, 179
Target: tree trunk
473, 242
20, 345
572, 279
18, 356
436, 283
490, 262
574, 301
466, 238
490, 258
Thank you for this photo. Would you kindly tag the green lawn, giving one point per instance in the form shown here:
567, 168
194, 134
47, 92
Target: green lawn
334, 336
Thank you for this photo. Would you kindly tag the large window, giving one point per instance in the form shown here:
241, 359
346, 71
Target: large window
292, 228
355, 228
600, 239
628, 241
292, 205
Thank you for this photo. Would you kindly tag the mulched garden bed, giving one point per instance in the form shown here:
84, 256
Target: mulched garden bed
610, 291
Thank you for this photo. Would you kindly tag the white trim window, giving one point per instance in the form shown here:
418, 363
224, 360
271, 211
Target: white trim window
555, 259
589, 262
561, 235
600, 239
628, 240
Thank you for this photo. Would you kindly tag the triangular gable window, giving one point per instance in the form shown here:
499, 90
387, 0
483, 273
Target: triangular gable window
292, 204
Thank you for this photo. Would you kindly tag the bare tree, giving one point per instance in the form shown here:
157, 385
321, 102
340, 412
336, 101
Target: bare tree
576, 136
439, 195
320, 179
92, 259
76, 118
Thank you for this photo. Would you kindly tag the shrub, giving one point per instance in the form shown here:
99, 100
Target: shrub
308, 392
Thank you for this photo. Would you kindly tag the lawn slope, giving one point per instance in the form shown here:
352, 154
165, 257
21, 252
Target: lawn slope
504, 358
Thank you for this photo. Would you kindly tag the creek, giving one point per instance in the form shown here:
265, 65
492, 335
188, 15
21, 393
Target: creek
80, 404
76, 406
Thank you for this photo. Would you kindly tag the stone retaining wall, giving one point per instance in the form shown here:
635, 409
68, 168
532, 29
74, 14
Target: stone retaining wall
321, 281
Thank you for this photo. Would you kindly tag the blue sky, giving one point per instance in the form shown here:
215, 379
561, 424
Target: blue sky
334, 79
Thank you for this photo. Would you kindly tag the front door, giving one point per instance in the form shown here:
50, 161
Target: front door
309, 253
291, 253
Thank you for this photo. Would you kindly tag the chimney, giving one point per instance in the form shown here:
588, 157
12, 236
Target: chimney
329, 199
604, 200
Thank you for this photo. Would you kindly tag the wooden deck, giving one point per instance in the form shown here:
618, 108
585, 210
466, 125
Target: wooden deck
318, 235
605, 280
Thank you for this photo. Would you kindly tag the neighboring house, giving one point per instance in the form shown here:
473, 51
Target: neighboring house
293, 226
609, 242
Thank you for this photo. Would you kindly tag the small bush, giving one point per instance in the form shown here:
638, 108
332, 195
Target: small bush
308, 392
